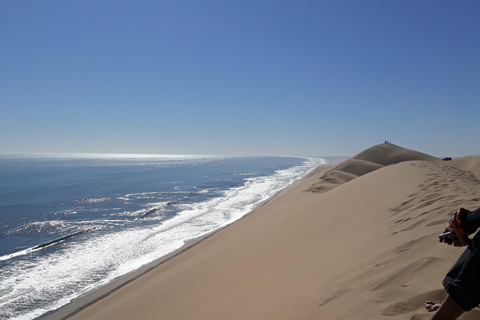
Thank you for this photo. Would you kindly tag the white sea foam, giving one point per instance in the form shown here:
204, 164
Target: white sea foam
92, 200
41, 226
19, 253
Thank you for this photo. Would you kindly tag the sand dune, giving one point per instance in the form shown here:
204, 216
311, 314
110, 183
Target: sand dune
367, 161
366, 249
468, 163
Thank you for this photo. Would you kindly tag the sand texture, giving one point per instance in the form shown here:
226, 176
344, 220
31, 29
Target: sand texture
358, 241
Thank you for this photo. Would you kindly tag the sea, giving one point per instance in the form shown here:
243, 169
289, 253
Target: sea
71, 223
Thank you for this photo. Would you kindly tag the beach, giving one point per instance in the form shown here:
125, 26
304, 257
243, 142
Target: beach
355, 241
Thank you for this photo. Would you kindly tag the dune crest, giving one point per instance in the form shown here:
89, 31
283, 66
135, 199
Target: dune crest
468, 163
369, 160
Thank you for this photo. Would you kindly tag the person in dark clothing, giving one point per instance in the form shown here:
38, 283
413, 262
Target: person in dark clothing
462, 282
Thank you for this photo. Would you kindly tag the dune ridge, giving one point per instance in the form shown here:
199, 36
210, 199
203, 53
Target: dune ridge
367, 161
467, 163
366, 249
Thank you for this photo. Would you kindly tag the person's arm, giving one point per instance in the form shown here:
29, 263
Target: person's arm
469, 220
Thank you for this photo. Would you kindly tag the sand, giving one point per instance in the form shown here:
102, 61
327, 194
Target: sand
356, 241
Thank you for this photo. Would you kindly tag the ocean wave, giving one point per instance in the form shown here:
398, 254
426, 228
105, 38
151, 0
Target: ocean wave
36, 227
40, 246
141, 196
92, 200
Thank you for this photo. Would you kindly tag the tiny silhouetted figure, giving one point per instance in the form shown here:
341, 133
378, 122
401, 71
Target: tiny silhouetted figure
462, 282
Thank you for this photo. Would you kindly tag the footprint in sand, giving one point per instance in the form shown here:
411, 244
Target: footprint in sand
406, 272
413, 303
335, 295
437, 222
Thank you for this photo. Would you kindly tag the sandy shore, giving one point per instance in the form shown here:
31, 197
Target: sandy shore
358, 241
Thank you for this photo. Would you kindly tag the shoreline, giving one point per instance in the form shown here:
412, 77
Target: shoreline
355, 241
87, 300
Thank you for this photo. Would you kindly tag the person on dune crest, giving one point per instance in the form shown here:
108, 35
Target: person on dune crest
462, 282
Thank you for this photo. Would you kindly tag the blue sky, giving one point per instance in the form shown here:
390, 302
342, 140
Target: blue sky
239, 77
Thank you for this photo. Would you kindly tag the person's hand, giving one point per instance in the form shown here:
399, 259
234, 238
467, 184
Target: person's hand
460, 238
447, 239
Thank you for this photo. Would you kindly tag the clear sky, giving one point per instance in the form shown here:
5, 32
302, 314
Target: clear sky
245, 77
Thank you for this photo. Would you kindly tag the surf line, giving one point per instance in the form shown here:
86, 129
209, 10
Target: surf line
41, 246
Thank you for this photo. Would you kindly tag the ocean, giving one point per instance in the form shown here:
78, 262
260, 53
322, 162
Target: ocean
71, 223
